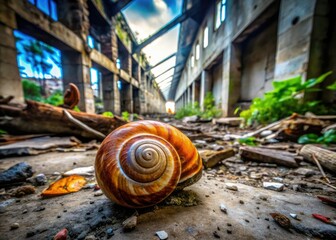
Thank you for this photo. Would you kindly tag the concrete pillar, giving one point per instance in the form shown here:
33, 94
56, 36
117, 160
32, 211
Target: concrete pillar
76, 69
230, 79
111, 96
295, 27
10, 79
193, 92
205, 86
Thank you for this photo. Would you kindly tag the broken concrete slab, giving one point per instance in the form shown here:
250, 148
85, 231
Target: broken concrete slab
210, 158
230, 121
16, 174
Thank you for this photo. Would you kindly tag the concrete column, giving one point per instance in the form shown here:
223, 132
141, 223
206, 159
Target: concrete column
76, 69
230, 79
294, 38
193, 93
111, 96
205, 86
10, 79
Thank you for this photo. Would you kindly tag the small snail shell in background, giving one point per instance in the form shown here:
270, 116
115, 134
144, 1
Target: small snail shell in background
141, 163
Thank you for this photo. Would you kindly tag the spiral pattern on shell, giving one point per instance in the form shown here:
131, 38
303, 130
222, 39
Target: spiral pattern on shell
141, 163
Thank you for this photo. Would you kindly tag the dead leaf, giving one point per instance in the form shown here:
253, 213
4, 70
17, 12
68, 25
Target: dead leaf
65, 185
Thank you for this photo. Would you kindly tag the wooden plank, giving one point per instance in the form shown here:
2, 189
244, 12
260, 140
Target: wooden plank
268, 156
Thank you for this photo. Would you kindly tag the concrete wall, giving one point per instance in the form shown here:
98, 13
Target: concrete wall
260, 41
69, 34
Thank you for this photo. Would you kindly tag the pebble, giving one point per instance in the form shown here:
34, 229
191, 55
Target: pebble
223, 208
277, 179
24, 211
263, 197
38, 180
109, 232
130, 223
14, 226
273, 186
265, 133
90, 237
89, 186
232, 187
56, 174
98, 193
162, 235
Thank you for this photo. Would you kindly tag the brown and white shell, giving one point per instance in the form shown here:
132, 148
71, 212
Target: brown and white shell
141, 163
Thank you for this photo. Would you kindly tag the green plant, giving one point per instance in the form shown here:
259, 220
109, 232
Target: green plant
125, 115
189, 110
2, 132
210, 110
251, 141
285, 99
55, 99
31, 90
108, 114
327, 138
76, 109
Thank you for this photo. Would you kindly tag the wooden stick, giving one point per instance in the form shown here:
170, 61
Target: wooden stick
329, 185
320, 167
82, 125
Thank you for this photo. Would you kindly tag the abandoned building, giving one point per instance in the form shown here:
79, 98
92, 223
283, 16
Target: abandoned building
167, 119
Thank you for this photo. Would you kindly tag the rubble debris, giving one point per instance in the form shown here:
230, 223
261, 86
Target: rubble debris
36, 145
282, 220
223, 208
210, 158
44, 118
273, 186
230, 121
61, 235
162, 235
82, 171
268, 156
16, 174
38, 180
130, 223
22, 191
325, 157
14, 226
65, 185
190, 119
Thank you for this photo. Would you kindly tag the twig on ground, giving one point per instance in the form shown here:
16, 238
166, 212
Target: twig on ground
320, 168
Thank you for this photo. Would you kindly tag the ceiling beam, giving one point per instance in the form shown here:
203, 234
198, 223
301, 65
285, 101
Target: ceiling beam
119, 5
181, 18
162, 61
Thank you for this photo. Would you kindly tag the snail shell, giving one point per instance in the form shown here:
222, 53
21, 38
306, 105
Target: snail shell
71, 96
141, 163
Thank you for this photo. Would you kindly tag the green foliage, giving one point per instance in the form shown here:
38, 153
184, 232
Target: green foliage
125, 115
251, 141
327, 138
108, 114
210, 110
76, 109
284, 100
31, 90
2, 132
332, 86
55, 99
189, 110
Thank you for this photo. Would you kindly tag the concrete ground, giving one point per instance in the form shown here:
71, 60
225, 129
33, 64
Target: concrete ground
84, 214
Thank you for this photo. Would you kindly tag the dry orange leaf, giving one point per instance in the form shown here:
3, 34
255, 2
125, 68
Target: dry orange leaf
65, 185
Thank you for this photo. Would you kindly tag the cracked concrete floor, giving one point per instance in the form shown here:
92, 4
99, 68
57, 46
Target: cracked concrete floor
84, 214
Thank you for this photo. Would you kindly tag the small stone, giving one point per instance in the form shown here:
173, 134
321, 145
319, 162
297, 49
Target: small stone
30, 234
130, 223
98, 193
216, 235
231, 187
14, 226
38, 180
265, 133
24, 211
263, 197
162, 235
277, 179
39, 209
296, 187
256, 175
89, 186
293, 215
223, 208
241, 201
90, 237
109, 232
273, 186
220, 172
270, 165
56, 174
